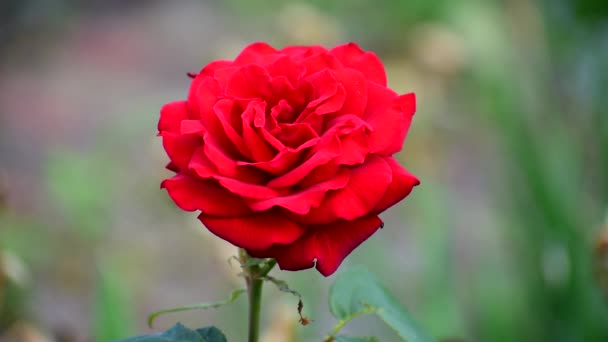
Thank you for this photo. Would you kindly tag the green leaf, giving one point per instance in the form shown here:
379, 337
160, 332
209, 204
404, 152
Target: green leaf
357, 291
211, 334
202, 306
344, 338
180, 333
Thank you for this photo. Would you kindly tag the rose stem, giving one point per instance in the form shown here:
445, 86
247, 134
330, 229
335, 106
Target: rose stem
254, 276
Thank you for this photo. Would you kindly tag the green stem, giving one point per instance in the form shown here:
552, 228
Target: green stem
254, 276
346, 320
254, 290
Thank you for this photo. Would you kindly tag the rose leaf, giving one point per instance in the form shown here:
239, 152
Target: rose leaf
356, 292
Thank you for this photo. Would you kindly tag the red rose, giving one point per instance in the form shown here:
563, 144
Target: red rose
287, 153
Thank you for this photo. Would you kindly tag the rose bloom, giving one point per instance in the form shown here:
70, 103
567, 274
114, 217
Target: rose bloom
288, 153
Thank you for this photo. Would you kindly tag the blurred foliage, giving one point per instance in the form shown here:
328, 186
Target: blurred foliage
382, 25
80, 186
14, 289
179, 333
113, 310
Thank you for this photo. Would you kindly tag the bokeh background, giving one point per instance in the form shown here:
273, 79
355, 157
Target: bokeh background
505, 240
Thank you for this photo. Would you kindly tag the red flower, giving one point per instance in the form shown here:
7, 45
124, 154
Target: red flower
287, 153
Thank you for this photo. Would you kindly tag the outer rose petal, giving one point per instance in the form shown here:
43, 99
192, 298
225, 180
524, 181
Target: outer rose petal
256, 53
202, 96
286, 66
402, 184
192, 127
327, 244
171, 116
249, 82
256, 232
320, 61
209, 69
192, 194
368, 63
180, 148
389, 116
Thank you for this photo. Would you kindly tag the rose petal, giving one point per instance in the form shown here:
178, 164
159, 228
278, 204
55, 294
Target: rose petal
209, 108
283, 161
353, 134
327, 244
192, 127
202, 96
223, 76
171, 116
200, 164
294, 135
324, 86
334, 103
249, 82
390, 119
244, 184
401, 185
351, 55
354, 147
257, 146
324, 152
180, 148
320, 174
256, 53
320, 61
301, 52
192, 194
255, 232
172, 167
209, 161
355, 86
285, 66
211, 68
281, 88
300, 202
250, 190
224, 111
366, 187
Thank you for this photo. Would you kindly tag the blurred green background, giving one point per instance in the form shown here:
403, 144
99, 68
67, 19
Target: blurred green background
505, 240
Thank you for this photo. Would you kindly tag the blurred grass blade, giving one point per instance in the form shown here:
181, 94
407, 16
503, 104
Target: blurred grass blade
113, 316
